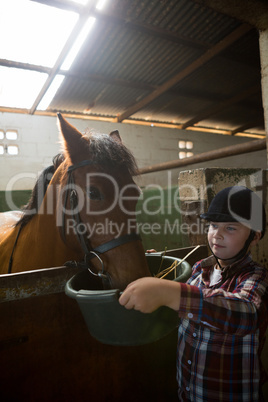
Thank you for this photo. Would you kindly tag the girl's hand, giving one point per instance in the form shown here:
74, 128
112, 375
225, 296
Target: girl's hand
147, 294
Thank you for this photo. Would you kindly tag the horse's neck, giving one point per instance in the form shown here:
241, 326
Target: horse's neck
50, 249
40, 245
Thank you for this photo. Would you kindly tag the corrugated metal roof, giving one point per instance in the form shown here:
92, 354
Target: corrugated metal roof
165, 54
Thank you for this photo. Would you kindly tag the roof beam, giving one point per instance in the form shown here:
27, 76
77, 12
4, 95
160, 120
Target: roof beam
165, 35
134, 25
77, 75
254, 12
107, 80
144, 28
150, 30
208, 55
248, 125
222, 105
25, 66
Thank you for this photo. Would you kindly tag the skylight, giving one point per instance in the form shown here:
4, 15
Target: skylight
66, 65
81, 37
50, 93
19, 88
78, 44
84, 2
100, 5
36, 34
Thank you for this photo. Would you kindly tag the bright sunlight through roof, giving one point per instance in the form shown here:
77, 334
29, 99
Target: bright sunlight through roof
31, 41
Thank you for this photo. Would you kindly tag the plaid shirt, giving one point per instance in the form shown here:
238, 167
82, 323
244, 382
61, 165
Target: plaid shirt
222, 333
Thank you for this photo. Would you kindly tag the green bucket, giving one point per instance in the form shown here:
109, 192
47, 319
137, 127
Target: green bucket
113, 324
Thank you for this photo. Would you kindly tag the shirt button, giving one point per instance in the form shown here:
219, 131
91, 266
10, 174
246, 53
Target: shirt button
189, 362
190, 315
194, 334
187, 389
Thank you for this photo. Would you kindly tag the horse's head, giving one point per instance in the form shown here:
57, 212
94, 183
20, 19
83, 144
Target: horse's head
96, 211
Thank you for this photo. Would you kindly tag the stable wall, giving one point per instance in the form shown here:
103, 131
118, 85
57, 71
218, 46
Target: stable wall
38, 141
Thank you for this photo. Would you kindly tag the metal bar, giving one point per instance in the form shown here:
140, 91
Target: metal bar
232, 150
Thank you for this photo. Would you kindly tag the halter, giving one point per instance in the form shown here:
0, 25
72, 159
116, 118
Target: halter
89, 253
103, 248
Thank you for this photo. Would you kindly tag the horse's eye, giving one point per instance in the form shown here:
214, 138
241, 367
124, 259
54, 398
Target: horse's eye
94, 193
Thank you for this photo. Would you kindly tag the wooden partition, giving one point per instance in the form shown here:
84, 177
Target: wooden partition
47, 353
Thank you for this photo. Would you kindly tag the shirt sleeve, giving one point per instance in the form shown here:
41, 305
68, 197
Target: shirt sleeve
238, 312
191, 305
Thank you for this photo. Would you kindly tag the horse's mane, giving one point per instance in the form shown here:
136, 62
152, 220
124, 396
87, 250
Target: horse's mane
103, 151
107, 152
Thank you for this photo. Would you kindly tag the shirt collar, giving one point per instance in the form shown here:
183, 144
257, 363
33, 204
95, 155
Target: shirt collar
229, 270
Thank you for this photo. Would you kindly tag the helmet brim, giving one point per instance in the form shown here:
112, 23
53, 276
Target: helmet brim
217, 217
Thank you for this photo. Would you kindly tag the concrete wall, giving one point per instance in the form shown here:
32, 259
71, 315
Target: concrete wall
38, 142
159, 219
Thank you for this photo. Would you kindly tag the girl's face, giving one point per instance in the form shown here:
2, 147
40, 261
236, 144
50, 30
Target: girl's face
226, 239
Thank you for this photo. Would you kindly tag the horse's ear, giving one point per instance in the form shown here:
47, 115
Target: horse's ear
74, 143
115, 136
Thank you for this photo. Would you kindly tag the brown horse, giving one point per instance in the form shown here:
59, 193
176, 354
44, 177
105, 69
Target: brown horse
82, 209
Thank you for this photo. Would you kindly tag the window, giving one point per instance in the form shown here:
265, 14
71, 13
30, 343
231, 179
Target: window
182, 155
11, 135
12, 150
7, 142
184, 147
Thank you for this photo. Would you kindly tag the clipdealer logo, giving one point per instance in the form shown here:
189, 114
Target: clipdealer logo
153, 200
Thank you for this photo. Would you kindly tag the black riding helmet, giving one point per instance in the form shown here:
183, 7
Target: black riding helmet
238, 204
